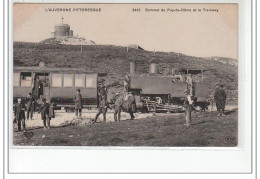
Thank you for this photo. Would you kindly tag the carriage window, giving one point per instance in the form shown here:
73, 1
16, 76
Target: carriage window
16, 79
79, 80
56, 80
91, 81
68, 80
26, 79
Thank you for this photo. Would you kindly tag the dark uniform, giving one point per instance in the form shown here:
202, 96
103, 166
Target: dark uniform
220, 98
19, 114
102, 104
38, 88
51, 110
29, 106
44, 110
132, 103
102, 93
188, 109
78, 103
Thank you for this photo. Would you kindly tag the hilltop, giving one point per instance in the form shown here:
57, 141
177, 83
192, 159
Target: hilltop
74, 40
115, 61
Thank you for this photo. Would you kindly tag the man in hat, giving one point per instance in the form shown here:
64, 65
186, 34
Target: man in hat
19, 114
38, 88
29, 106
188, 102
220, 98
78, 103
44, 110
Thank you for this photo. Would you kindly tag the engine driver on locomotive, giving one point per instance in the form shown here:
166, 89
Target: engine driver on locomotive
126, 87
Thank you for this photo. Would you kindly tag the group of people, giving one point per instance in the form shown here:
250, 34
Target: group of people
102, 103
219, 97
46, 110
29, 105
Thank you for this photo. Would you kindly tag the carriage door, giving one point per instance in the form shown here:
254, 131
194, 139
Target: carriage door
44, 78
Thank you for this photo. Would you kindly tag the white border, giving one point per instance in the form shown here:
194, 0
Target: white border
143, 159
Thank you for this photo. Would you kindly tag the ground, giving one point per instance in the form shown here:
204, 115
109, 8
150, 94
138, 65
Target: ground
147, 130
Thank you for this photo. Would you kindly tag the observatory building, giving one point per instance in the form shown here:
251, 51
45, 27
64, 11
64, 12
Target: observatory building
64, 35
62, 30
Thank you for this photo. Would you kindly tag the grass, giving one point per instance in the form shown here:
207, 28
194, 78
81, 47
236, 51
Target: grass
207, 130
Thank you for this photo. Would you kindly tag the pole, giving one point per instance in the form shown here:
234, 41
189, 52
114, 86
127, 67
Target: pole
202, 75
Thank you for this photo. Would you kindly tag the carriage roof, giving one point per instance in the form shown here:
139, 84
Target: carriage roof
49, 69
194, 70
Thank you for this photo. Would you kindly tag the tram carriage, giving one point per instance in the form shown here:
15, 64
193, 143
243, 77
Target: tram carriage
59, 84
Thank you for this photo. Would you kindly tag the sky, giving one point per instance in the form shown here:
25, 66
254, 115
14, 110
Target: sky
202, 34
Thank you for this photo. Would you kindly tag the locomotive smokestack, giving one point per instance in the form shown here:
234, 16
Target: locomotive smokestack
154, 69
132, 68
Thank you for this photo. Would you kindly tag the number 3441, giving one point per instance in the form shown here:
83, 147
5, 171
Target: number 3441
136, 10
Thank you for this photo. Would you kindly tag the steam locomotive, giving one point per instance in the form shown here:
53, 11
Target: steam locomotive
155, 92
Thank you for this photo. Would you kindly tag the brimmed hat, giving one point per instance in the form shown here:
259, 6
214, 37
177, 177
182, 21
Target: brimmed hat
78, 90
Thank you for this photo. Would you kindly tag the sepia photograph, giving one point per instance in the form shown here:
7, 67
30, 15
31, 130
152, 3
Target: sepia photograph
124, 75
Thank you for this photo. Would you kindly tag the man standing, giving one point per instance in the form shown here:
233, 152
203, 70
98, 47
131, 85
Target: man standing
44, 110
78, 103
188, 102
220, 98
29, 106
189, 81
19, 114
51, 113
38, 88
102, 104
102, 92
